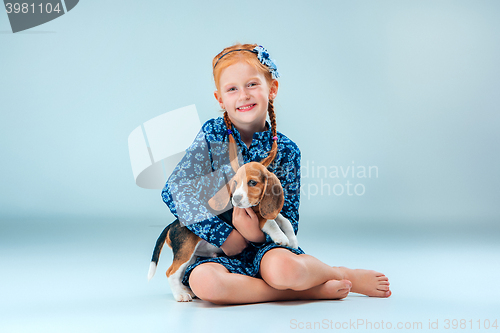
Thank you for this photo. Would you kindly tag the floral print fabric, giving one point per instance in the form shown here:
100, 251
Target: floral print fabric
205, 169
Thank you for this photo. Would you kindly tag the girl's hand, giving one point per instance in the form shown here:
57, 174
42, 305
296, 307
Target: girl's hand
234, 244
247, 223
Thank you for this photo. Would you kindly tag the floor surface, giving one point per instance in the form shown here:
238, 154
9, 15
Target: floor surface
90, 276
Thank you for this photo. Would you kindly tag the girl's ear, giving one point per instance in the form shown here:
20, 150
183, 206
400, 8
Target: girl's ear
274, 89
219, 99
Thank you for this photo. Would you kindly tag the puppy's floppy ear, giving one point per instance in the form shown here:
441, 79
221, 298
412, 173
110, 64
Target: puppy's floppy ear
272, 200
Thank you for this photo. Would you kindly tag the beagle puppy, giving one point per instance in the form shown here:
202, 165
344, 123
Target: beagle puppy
252, 186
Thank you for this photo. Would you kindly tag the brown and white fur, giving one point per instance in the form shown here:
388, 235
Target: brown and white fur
252, 186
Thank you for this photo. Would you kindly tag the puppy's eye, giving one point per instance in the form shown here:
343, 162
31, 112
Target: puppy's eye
252, 183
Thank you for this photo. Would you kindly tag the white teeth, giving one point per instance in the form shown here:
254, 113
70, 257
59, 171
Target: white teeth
245, 107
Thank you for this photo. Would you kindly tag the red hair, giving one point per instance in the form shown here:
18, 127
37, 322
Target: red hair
223, 60
229, 57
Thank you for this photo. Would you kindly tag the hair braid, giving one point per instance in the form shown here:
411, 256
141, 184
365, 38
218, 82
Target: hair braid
233, 154
274, 148
272, 117
227, 120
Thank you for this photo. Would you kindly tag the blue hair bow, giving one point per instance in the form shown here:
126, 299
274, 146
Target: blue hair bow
264, 59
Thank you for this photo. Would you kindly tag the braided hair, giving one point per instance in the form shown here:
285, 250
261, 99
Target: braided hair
219, 63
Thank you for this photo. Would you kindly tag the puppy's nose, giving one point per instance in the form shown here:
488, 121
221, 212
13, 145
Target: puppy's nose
237, 198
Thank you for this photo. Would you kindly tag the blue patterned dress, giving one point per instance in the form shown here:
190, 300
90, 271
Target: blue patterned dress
205, 168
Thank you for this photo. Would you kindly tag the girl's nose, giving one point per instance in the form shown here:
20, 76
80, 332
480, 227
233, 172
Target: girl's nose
244, 94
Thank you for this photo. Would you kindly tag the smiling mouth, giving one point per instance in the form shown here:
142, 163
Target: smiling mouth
246, 107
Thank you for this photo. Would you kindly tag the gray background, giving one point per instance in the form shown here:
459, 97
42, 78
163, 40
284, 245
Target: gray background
408, 86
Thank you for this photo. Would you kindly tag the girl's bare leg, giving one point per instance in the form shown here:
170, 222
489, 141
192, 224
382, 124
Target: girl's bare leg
283, 269
213, 282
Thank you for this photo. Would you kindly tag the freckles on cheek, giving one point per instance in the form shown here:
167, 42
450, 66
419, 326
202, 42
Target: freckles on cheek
259, 95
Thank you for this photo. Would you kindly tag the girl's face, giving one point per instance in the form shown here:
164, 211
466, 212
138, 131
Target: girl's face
244, 93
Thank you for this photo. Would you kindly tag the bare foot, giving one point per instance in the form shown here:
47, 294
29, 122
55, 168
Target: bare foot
332, 289
367, 282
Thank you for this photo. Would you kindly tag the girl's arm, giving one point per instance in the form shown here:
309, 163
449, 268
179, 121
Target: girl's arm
192, 183
234, 244
289, 177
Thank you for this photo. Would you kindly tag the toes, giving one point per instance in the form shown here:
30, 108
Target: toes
344, 289
341, 286
335, 289
344, 294
381, 293
383, 287
346, 284
383, 278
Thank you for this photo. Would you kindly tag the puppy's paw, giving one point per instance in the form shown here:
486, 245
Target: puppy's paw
181, 292
281, 240
294, 243
185, 295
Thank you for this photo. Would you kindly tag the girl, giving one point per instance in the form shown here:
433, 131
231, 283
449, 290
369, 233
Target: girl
254, 269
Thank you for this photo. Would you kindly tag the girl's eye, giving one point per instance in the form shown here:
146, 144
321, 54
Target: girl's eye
252, 183
252, 84
231, 89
